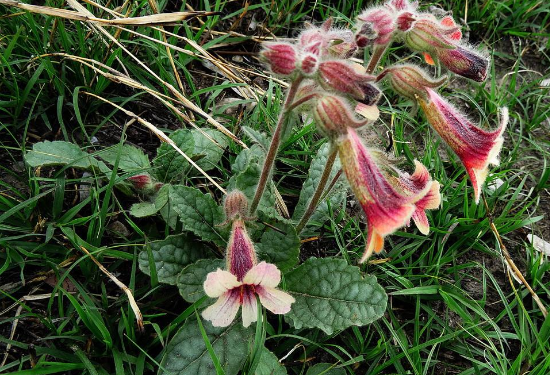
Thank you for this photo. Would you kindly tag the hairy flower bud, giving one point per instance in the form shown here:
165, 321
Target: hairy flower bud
235, 205
342, 77
465, 63
375, 26
281, 57
145, 183
333, 116
409, 80
428, 35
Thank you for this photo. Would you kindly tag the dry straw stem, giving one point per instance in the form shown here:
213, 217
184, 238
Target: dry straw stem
155, 19
512, 266
121, 285
163, 137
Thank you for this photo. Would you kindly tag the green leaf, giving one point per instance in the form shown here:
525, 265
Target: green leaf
256, 137
171, 166
143, 209
199, 213
280, 247
269, 364
336, 197
171, 256
209, 153
332, 295
59, 153
165, 207
132, 159
325, 369
187, 354
190, 281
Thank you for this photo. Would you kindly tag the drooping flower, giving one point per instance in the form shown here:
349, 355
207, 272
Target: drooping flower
387, 206
476, 148
327, 42
245, 277
442, 39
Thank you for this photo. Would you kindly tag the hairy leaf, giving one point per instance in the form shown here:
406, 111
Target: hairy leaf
332, 295
190, 281
131, 158
59, 153
198, 212
171, 256
269, 364
281, 247
170, 165
187, 354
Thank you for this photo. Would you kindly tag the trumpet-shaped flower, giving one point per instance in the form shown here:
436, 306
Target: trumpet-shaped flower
244, 278
387, 206
344, 77
476, 148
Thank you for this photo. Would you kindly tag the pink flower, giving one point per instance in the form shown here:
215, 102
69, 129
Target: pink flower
476, 148
262, 280
244, 278
387, 206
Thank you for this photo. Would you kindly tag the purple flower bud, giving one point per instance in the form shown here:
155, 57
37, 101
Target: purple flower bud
142, 182
464, 62
309, 64
281, 58
235, 205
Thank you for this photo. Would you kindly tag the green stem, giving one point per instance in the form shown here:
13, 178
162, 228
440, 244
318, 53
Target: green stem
318, 191
274, 146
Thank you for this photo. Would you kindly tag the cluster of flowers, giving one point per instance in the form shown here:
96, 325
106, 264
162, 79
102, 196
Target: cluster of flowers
334, 88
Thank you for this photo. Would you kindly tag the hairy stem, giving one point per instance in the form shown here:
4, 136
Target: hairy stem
318, 191
377, 53
274, 146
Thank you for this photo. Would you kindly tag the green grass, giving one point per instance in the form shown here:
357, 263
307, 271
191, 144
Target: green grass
452, 310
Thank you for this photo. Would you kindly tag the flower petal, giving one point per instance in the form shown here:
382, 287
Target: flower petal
219, 282
265, 274
275, 300
250, 308
224, 310
421, 220
375, 244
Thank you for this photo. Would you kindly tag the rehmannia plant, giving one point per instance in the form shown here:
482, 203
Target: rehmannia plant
261, 247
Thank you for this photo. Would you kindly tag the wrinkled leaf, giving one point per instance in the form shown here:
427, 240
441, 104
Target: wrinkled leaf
199, 213
143, 209
332, 295
269, 364
171, 166
280, 247
256, 137
186, 354
131, 158
171, 256
206, 152
190, 281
